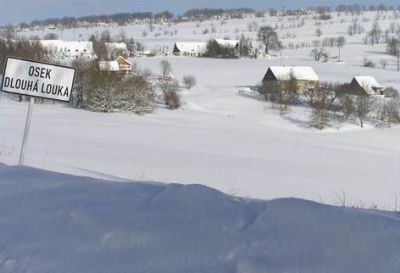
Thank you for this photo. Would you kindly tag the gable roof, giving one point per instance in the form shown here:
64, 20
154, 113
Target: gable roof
368, 83
191, 47
304, 73
122, 60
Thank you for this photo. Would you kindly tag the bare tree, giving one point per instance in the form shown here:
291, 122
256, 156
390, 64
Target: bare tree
375, 33
189, 81
368, 62
391, 109
166, 68
170, 90
363, 107
268, 36
323, 98
9, 33
318, 53
340, 42
318, 32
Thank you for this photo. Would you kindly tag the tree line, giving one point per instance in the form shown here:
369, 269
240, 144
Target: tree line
118, 18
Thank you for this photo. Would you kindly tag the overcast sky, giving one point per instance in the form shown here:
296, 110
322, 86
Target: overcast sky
17, 11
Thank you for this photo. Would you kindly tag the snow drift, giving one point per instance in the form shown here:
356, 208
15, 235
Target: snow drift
51, 222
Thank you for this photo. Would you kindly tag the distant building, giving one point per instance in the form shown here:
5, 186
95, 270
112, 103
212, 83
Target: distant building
189, 49
120, 65
69, 49
365, 85
280, 77
117, 49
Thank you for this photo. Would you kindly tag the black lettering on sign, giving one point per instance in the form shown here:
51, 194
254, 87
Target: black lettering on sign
38, 72
6, 81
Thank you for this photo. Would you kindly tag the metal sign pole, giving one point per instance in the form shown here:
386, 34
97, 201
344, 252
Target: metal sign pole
26, 132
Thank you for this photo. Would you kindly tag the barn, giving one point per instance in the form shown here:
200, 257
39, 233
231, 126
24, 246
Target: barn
282, 77
365, 85
194, 49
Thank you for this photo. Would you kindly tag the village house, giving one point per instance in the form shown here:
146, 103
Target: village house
365, 85
193, 49
120, 65
282, 77
69, 49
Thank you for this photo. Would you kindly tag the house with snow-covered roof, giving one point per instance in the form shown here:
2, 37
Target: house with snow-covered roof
300, 78
365, 85
120, 65
194, 49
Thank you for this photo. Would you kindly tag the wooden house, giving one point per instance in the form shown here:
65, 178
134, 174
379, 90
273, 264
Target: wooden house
120, 65
300, 78
365, 85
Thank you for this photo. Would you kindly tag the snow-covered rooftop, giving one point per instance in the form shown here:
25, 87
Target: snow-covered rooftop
305, 73
368, 83
191, 47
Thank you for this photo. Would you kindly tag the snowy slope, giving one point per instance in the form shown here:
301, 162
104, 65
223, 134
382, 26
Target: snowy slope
53, 222
219, 138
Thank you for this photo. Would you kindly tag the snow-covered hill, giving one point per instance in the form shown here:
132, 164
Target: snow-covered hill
229, 140
221, 138
52, 222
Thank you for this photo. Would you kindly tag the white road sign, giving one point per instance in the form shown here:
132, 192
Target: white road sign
38, 79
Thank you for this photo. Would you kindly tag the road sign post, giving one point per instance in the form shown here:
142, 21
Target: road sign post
26, 132
35, 79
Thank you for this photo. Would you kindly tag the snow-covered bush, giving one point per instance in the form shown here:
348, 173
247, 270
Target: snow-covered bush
109, 91
170, 89
189, 81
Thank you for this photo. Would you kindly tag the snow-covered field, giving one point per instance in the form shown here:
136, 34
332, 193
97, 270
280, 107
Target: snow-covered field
222, 138
204, 170
59, 223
